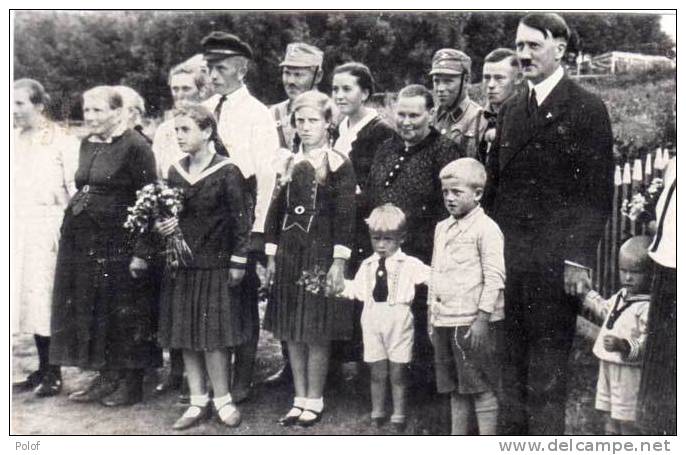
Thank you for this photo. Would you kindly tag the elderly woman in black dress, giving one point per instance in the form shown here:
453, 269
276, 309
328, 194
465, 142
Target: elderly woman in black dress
102, 317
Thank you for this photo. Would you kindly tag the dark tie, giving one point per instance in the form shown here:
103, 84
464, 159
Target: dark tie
380, 292
218, 109
533, 104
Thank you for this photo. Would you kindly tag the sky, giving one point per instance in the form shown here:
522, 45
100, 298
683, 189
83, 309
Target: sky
668, 24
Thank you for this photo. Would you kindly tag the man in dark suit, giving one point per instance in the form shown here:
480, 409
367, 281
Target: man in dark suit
550, 193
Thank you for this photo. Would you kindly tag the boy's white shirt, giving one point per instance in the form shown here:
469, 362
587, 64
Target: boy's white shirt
403, 273
631, 325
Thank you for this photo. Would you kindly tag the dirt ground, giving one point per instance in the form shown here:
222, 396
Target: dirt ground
347, 404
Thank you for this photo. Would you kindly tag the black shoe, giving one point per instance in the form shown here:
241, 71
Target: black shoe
101, 386
32, 381
171, 383
290, 420
398, 427
128, 392
50, 386
378, 422
309, 418
282, 377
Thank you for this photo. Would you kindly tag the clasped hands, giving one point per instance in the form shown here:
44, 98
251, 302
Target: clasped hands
335, 281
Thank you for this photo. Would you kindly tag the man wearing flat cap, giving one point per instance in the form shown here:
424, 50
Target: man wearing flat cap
247, 129
301, 70
456, 116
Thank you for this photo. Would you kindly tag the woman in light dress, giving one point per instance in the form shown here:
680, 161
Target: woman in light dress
45, 160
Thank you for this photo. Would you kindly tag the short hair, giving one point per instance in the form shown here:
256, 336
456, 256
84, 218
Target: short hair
316, 100
550, 24
500, 54
108, 93
37, 93
413, 90
193, 68
636, 250
387, 218
468, 169
361, 72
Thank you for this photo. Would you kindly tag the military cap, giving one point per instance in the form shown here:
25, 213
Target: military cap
450, 61
220, 45
302, 55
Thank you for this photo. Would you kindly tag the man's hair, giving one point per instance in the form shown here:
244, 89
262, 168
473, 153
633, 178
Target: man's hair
550, 24
387, 218
199, 73
500, 54
467, 169
418, 90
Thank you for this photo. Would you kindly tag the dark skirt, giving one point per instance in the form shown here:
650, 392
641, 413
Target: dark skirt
657, 395
200, 312
102, 318
294, 314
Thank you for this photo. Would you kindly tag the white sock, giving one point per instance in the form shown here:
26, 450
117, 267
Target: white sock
300, 402
315, 404
200, 400
219, 402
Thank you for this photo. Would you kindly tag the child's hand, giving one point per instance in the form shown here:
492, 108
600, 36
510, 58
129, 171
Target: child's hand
614, 344
583, 286
166, 227
478, 333
269, 273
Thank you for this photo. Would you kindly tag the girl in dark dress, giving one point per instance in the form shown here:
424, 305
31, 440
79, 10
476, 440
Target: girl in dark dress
310, 225
200, 307
102, 317
360, 135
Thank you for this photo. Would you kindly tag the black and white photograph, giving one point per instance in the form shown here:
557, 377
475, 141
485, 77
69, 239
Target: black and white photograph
343, 222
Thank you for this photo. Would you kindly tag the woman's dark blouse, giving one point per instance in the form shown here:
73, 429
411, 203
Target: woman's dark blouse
408, 177
216, 219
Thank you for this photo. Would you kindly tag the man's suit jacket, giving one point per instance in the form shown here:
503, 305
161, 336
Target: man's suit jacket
551, 178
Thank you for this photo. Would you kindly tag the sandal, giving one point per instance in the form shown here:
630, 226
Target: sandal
309, 418
291, 418
193, 415
229, 415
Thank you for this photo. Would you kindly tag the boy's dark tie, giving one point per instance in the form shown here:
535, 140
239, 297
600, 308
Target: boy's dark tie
380, 292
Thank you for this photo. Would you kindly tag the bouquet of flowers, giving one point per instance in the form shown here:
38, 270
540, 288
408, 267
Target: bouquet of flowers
157, 201
642, 204
314, 281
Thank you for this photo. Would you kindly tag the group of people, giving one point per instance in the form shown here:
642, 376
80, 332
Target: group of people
457, 228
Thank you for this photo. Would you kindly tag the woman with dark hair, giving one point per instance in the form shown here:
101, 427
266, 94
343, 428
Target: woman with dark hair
360, 134
310, 229
201, 309
45, 159
103, 309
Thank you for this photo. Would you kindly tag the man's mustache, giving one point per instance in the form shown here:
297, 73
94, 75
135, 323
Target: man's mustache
525, 62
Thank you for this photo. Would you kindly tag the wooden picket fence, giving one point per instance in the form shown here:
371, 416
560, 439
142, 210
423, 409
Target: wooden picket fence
629, 179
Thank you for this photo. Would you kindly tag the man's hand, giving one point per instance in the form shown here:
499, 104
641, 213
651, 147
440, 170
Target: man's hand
614, 344
479, 333
137, 267
235, 276
335, 282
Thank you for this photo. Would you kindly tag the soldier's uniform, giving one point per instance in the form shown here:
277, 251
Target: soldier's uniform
299, 55
463, 122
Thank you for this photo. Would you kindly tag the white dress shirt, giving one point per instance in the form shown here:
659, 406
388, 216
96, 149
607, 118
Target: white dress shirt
547, 85
247, 129
663, 250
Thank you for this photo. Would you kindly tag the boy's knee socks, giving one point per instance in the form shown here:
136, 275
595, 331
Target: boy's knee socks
486, 409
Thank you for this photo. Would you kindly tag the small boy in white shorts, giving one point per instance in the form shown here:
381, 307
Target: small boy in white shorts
621, 340
386, 283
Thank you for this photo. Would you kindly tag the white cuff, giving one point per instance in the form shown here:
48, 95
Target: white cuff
270, 249
341, 252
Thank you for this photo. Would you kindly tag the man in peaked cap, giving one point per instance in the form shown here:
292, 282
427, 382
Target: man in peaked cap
247, 129
301, 70
456, 116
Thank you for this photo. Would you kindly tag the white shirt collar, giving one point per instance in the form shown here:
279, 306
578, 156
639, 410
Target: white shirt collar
118, 131
399, 255
547, 85
348, 134
316, 156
